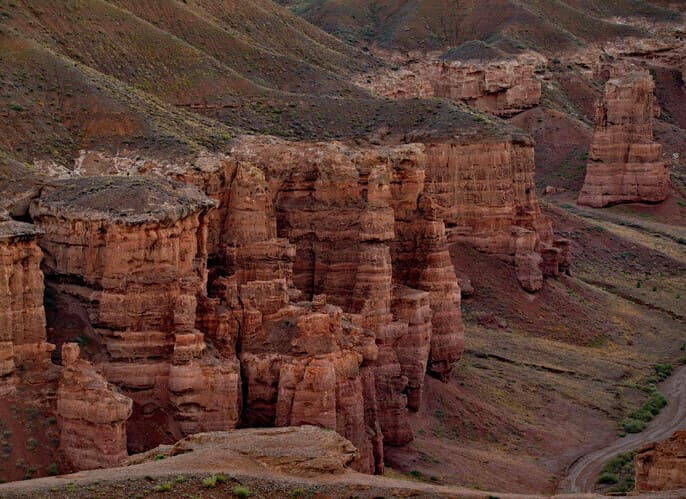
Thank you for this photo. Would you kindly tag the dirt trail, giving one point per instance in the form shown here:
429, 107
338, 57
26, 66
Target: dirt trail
583, 472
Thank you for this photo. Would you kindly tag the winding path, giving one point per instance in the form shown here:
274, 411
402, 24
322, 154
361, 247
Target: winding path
583, 472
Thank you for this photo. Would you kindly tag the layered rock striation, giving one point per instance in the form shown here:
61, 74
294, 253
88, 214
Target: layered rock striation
130, 256
91, 415
485, 194
504, 86
625, 164
662, 466
320, 290
22, 317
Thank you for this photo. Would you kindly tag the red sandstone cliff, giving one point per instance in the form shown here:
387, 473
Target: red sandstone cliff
662, 466
91, 415
503, 87
319, 291
625, 164
130, 255
22, 317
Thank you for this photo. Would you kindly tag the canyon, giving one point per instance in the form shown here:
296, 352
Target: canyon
279, 296
415, 248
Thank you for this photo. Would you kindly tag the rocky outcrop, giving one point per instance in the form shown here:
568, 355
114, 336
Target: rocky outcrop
504, 87
303, 451
486, 196
330, 289
625, 164
662, 466
131, 254
91, 415
22, 316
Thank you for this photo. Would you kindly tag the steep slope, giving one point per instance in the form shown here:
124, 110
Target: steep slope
439, 24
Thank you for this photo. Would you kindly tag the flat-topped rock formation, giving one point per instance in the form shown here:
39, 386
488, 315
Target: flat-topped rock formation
625, 164
129, 255
499, 84
662, 465
22, 317
91, 415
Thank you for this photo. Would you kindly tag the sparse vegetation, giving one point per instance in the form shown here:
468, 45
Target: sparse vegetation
164, 487
635, 422
618, 472
212, 481
53, 470
241, 491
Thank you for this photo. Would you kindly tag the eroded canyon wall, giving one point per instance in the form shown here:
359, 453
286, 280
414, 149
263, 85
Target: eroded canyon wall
503, 87
23, 342
625, 164
130, 255
662, 465
317, 288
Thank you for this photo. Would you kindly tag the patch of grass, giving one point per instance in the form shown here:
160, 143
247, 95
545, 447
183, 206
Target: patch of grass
607, 478
31, 444
635, 422
159, 457
619, 472
295, 493
16, 107
211, 481
53, 470
164, 487
663, 371
241, 491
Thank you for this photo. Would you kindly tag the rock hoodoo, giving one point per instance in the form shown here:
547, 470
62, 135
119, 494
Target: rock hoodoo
625, 164
22, 317
91, 415
662, 466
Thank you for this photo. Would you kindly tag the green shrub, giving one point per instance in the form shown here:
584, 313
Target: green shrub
211, 481
633, 426
53, 469
607, 478
241, 491
663, 371
165, 487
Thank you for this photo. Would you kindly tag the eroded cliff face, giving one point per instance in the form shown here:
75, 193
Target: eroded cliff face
22, 317
318, 288
91, 415
662, 466
129, 256
625, 164
485, 193
502, 87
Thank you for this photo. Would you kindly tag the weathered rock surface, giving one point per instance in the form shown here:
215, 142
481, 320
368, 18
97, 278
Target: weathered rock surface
91, 415
329, 289
503, 87
304, 451
662, 466
22, 317
486, 196
132, 254
625, 164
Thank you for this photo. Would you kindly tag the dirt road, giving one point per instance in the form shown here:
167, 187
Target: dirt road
583, 473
